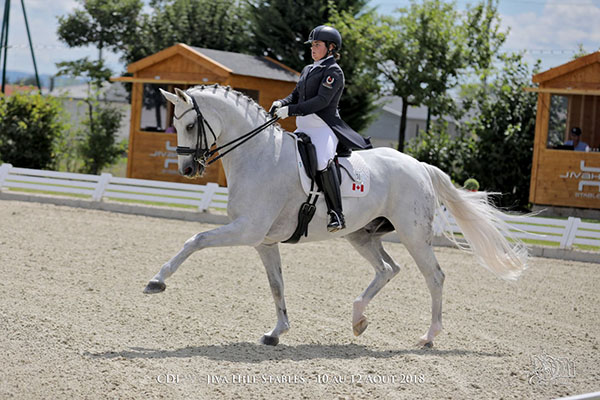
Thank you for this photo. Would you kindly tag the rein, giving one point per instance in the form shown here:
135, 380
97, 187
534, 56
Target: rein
202, 151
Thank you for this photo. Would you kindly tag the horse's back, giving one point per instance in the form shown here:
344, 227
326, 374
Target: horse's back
398, 170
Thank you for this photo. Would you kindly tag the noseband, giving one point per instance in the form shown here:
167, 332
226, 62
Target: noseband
202, 152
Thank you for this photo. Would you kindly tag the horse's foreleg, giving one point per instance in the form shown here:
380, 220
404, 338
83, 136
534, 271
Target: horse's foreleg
269, 254
370, 247
238, 233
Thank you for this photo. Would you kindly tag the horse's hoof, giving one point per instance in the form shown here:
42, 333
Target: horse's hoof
360, 326
425, 344
269, 340
155, 287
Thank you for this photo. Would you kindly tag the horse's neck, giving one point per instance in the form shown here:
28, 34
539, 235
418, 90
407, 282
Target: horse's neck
260, 152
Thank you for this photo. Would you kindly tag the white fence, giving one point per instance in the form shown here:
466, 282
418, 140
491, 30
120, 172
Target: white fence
106, 186
560, 233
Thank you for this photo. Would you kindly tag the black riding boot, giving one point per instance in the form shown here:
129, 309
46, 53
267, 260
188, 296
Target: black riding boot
331, 187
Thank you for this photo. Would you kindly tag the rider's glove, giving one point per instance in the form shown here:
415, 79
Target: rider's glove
282, 112
276, 104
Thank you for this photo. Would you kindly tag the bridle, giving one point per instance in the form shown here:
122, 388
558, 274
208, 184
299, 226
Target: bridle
203, 151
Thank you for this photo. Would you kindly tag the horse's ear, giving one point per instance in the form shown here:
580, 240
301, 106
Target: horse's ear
183, 95
170, 96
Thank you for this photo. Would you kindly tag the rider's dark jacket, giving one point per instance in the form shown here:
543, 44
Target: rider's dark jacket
318, 91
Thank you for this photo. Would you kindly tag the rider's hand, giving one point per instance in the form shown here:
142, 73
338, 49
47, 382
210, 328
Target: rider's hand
276, 104
282, 112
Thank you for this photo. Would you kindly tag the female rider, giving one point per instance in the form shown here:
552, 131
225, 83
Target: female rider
314, 101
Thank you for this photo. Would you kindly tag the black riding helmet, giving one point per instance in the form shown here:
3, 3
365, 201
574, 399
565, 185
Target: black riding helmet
326, 34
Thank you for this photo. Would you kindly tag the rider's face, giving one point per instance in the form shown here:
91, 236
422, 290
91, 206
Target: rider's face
318, 49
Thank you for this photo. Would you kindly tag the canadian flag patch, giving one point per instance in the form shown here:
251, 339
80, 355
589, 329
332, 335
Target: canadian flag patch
358, 187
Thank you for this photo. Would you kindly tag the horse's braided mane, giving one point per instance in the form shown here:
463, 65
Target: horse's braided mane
225, 90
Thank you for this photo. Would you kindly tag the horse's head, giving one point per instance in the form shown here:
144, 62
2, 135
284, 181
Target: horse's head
196, 130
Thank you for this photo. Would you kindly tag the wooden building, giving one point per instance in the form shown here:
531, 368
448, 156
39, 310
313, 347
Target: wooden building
152, 139
568, 97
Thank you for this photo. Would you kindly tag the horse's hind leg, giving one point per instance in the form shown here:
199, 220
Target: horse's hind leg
270, 257
370, 247
425, 258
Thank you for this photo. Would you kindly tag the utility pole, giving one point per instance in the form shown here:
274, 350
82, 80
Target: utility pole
4, 43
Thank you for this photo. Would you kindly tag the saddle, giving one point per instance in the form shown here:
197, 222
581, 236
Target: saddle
352, 172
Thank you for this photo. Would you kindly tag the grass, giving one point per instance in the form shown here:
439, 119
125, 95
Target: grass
50, 192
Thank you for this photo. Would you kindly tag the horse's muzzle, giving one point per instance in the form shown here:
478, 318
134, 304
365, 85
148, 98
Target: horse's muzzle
190, 168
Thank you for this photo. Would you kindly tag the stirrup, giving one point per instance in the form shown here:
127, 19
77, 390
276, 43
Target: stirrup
336, 222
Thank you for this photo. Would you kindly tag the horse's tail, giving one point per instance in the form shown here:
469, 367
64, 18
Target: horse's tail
488, 236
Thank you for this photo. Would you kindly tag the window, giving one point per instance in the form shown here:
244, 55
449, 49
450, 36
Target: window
574, 111
157, 112
154, 108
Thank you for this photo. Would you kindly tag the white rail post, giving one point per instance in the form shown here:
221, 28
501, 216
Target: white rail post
4, 170
102, 185
566, 242
207, 196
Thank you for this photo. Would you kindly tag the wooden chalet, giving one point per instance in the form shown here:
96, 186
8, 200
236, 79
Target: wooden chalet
568, 97
152, 139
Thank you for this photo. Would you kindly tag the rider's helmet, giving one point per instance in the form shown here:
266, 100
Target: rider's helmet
326, 34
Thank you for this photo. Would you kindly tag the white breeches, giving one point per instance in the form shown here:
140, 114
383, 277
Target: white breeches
322, 137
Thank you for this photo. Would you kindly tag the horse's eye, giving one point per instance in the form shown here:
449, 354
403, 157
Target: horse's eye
190, 126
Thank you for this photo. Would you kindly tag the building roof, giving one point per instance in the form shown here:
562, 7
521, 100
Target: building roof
223, 62
568, 68
10, 89
243, 64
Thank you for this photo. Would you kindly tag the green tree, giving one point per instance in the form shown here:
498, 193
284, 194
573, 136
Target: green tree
496, 145
97, 146
451, 154
99, 149
423, 52
220, 25
483, 36
281, 27
104, 24
504, 125
100, 23
362, 84
31, 126
423, 55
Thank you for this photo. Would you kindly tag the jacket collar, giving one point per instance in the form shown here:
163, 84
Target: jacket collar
324, 63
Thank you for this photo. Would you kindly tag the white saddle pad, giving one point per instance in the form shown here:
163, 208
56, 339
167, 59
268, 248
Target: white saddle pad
356, 176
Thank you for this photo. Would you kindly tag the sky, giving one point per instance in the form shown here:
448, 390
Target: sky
549, 30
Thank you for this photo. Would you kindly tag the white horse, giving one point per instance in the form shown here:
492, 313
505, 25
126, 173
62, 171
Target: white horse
265, 195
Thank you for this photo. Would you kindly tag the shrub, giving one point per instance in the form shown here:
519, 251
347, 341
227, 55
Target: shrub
31, 126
